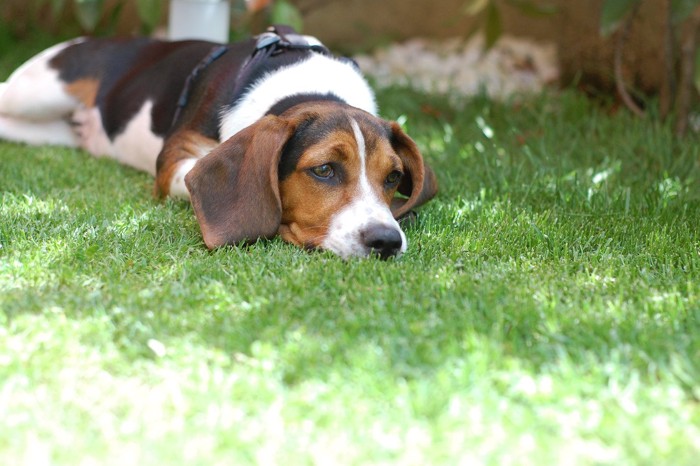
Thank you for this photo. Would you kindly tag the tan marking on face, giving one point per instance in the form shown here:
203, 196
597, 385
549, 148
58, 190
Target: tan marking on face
309, 205
85, 90
380, 163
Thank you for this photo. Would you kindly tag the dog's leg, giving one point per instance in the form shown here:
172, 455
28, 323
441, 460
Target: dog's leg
56, 132
34, 104
35, 91
20, 128
180, 152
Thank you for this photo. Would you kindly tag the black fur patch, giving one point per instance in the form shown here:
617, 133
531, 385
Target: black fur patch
294, 100
139, 70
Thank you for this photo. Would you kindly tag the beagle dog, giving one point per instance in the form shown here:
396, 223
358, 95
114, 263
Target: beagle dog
270, 136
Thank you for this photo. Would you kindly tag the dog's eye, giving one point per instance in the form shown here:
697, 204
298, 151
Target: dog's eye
323, 172
393, 178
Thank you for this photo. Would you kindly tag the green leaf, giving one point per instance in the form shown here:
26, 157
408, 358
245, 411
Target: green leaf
149, 12
529, 8
682, 9
614, 11
696, 70
474, 7
493, 26
112, 19
89, 13
284, 12
57, 7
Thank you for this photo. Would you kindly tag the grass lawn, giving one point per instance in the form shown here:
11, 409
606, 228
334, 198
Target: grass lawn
547, 311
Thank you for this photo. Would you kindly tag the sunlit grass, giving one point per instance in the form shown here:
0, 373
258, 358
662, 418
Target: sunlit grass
546, 312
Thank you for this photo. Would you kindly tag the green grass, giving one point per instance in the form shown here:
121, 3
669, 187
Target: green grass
547, 311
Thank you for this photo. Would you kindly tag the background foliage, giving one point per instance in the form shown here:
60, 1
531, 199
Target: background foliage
101, 16
681, 55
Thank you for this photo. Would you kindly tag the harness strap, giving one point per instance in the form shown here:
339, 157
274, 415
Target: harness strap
276, 40
211, 57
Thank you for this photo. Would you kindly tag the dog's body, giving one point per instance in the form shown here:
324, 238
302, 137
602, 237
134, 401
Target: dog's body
268, 136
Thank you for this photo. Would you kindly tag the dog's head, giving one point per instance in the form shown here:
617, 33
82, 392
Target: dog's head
325, 176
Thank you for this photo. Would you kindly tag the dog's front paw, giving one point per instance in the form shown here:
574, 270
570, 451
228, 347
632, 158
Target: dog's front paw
87, 125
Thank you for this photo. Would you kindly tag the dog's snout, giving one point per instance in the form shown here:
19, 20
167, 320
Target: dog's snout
382, 240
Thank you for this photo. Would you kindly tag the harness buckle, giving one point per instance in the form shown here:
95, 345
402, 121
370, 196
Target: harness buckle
267, 39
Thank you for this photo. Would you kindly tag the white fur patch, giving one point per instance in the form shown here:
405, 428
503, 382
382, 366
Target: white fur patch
137, 145
361, 147
177, 184
345, 232
319, 74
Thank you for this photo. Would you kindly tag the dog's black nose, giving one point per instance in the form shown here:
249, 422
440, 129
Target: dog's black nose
382, 240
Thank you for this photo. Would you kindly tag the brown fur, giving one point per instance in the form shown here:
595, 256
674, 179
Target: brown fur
308, 205
234, 189
181, 146
85, 90
236, 195
421, 185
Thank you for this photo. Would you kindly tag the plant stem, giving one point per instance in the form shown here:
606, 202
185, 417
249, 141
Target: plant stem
685, 88
619, 79
668, 86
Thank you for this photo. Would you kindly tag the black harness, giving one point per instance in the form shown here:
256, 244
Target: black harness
279, 39
210, 58
276, 40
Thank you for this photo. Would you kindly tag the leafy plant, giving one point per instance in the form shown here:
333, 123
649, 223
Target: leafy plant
489, 15
283, 12
89, 13
98, 16
681, 57
150, 13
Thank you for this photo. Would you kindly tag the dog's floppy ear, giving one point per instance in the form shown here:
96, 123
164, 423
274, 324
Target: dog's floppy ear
419, 183
234, 189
